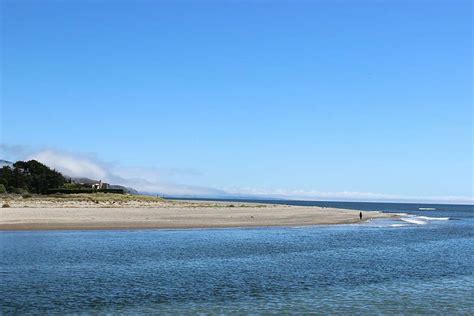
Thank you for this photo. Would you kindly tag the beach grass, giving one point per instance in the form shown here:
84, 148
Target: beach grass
105, 197
89, 197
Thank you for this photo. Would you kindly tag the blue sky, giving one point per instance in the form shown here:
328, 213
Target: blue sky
307, 99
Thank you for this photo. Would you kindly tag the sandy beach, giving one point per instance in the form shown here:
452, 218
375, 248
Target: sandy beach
42, 214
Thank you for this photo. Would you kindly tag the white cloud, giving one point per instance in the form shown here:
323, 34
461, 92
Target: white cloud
71, 165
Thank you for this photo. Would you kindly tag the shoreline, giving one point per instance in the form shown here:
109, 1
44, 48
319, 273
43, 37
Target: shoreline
62, 215
130, 226
136, 228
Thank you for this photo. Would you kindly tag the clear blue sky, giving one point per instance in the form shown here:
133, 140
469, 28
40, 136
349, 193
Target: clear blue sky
365, 96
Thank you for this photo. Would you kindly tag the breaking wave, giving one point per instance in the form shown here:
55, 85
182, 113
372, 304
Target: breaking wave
421, 220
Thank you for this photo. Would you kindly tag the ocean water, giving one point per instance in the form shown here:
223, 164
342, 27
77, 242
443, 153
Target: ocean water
422, 264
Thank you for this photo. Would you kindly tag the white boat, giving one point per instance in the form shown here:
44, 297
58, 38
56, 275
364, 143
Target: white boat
427, 209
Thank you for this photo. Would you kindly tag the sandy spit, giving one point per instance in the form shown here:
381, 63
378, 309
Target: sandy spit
174, 216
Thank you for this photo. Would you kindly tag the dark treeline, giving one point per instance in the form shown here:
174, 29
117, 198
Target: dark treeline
31, 176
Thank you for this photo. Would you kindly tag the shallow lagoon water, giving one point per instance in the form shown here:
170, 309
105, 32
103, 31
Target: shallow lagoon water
383, 266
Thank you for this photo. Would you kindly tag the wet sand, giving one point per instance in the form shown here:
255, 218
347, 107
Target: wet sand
175, 215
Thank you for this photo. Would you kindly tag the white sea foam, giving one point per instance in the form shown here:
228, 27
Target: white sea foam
402, 214
421, 220
398, 225
413, 220
434, 218
404, 220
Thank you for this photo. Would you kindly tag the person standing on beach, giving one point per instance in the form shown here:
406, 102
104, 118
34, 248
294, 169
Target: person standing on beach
360, 215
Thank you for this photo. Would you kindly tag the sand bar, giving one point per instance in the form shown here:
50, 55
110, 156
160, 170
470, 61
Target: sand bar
173, 215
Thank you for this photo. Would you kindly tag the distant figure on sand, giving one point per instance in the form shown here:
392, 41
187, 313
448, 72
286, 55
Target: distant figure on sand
360, 215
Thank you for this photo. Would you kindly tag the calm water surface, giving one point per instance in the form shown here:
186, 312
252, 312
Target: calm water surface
423, 264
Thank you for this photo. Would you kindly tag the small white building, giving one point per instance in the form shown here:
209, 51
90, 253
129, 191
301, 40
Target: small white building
100, 186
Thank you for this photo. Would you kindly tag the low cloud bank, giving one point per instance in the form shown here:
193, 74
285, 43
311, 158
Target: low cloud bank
72, 166
147, 180
158, 181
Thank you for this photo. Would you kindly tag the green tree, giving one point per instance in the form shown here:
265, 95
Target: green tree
31, 176
6, 178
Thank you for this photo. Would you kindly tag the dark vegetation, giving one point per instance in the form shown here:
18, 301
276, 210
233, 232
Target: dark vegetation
29, 176
84, 190
26, 177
